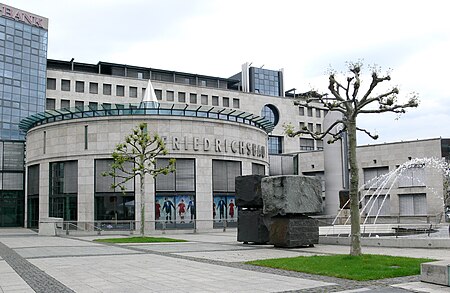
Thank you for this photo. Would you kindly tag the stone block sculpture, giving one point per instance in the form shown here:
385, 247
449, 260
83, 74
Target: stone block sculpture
283, 219
251, 221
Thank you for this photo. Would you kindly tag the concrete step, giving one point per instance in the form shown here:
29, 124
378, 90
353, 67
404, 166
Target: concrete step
437, 272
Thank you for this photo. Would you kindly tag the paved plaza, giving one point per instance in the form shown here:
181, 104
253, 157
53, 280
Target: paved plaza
208, 262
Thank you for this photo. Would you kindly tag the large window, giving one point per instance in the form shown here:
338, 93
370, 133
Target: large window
175, 195
275, 144
33, 196
306, 144
413, 204
63, 190
377, 205
412, 176
270, 112
224, 197
112, 205
373, 177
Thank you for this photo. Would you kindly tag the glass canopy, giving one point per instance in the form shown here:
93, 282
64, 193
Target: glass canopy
148, 108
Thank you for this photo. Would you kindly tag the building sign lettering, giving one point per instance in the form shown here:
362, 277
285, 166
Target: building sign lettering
216, 145
23, 16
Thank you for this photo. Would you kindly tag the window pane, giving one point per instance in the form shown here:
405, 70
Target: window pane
106, 89
93, 88
79, 86
51, 83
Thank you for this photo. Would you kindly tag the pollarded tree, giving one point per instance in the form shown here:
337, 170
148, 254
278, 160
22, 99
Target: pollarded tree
136, 157
347, 99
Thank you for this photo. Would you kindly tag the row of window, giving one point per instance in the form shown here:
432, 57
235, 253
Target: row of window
182, 97
93, 88
110, 204
410, 177
310, 127
309, 111
409, 205
198, 99
275, 144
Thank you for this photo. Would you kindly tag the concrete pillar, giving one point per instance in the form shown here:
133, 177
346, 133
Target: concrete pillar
85, 200
43, 190
204, 194
333, 158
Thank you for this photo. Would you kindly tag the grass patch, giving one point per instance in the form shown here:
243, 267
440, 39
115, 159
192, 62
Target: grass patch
139, 240
360, 268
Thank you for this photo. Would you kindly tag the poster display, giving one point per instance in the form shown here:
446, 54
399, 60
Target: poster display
174, 211
224, 209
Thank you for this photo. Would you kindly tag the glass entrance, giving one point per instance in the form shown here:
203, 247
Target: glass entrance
11, 209
33, 212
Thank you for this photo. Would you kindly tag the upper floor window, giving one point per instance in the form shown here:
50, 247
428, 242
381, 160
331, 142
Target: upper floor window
65, 85
79, 86
51, 83
236, 103
120, 90
93, 88
106, 89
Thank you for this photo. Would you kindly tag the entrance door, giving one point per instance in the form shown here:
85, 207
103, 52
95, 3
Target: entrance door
33, 212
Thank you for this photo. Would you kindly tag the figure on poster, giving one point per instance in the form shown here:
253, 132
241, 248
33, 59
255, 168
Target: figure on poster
191, 208
167, 208
231, 209
221, 206
214, 210
181, 210
157, 210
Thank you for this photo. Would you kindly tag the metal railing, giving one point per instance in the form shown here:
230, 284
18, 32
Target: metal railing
131, 227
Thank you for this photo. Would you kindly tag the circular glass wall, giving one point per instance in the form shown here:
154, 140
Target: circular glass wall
270, 112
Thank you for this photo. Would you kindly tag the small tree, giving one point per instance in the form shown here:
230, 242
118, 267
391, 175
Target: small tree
346, 99
137, 157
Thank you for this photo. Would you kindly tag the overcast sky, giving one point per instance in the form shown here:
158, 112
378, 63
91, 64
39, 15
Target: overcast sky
305, 38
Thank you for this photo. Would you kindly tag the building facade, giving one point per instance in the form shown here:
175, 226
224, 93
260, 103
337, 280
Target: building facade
23, 63
73, 114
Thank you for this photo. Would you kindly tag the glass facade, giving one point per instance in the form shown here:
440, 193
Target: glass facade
23, 66
63, 190
112, 207
265, 81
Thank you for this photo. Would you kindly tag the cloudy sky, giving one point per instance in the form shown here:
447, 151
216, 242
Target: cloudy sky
305, 38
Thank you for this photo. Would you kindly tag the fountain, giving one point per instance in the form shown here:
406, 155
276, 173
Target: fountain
381, 186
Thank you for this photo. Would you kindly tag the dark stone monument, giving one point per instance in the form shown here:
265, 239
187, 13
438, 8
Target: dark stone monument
251, 222
252, 227
294, 231
290, 200
248, 191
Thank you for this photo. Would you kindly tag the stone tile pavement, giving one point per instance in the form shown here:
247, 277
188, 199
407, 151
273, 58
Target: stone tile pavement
209, 262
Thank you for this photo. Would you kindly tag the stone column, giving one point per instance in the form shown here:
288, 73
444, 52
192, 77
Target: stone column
204, 194
44, 190
85, 197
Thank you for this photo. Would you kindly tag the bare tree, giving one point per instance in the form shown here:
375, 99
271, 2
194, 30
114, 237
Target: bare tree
347, 99
137, 157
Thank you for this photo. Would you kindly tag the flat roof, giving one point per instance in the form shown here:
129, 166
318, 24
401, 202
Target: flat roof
145, 109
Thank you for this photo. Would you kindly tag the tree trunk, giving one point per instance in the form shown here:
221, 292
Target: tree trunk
355, 248
142, 189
